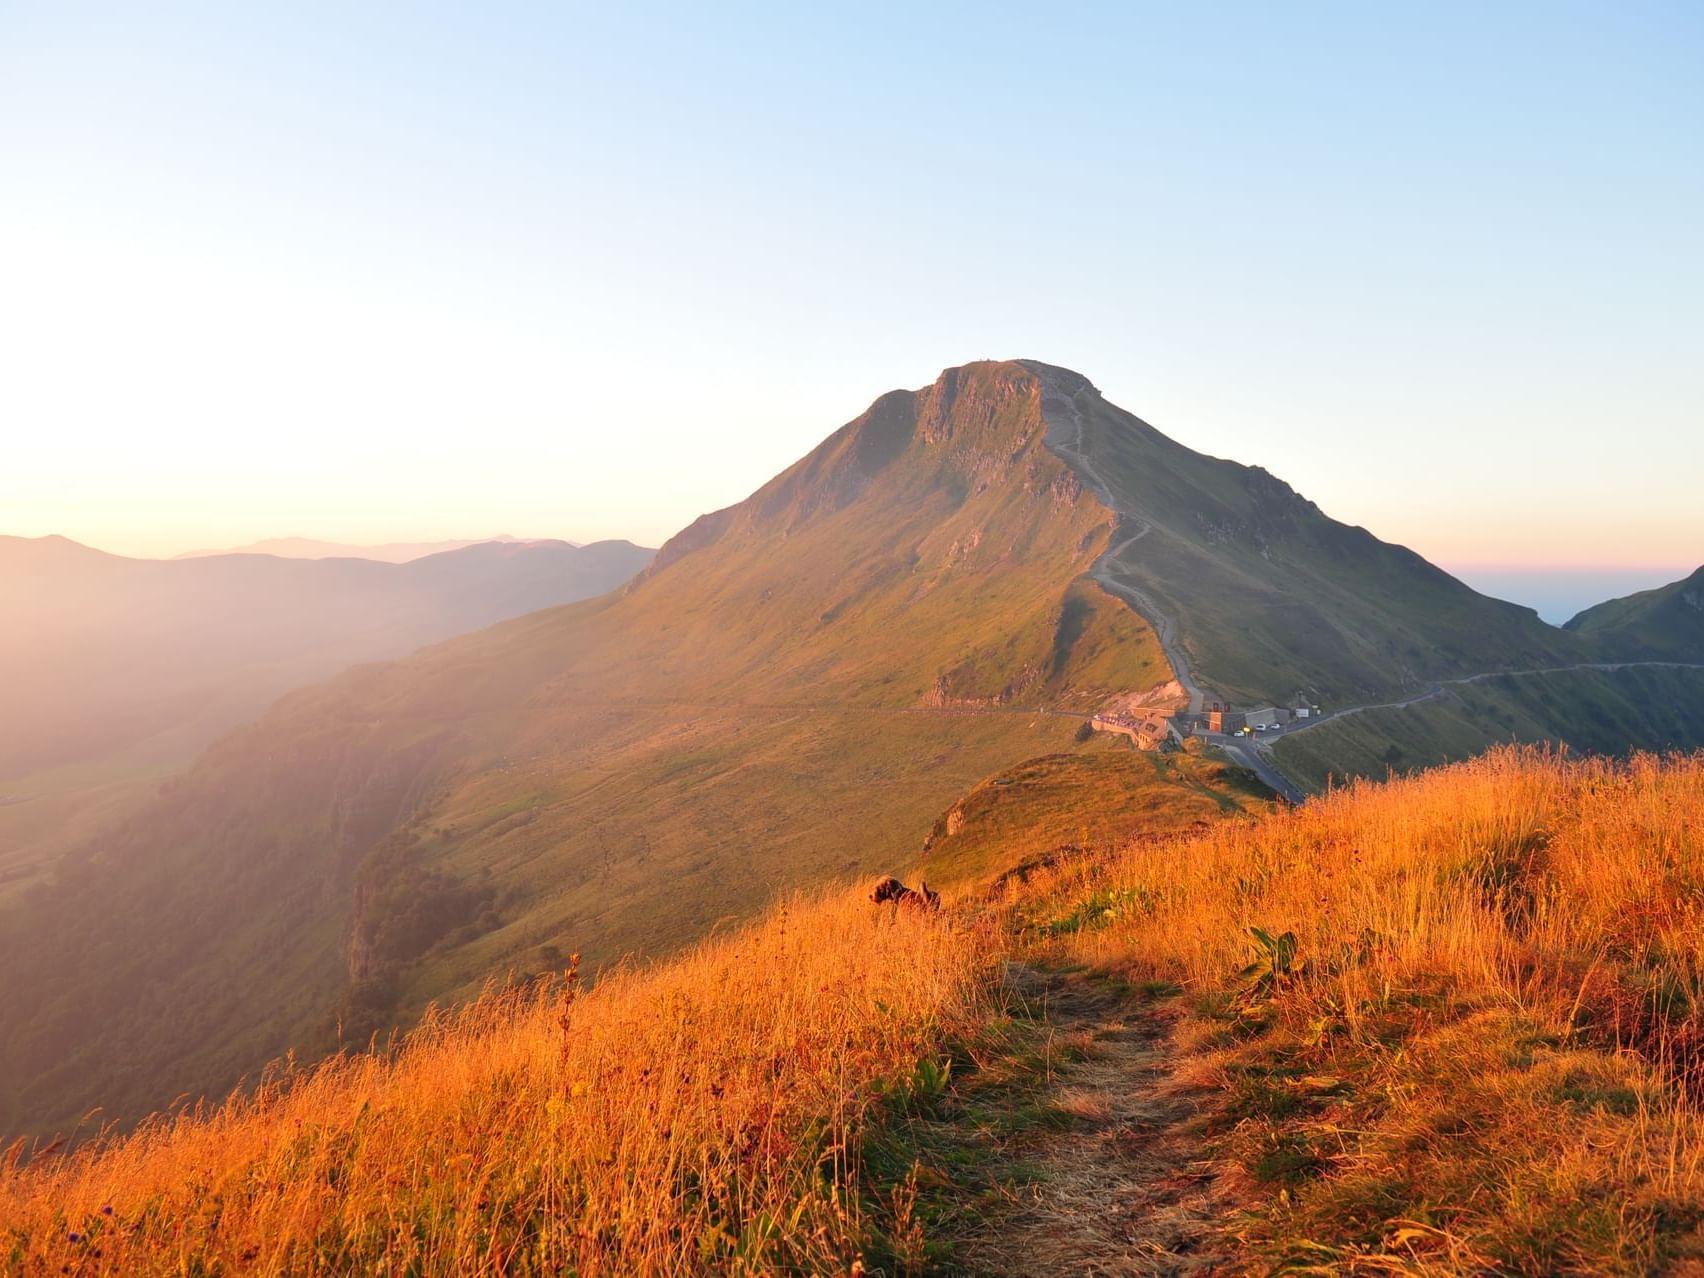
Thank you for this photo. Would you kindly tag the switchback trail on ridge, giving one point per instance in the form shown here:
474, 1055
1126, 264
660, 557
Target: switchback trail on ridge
1061, 410
1125, 1188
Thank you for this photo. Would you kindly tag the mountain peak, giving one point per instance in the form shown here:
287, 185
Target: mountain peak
973, 426
1057, 376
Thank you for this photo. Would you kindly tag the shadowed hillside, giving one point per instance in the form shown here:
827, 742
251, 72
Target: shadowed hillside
1270, 596
1666, 623
1594, 711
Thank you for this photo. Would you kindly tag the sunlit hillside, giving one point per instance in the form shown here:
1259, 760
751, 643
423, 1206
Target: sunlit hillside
1059, 808
1451, 1023
1446, 1024
709, 1116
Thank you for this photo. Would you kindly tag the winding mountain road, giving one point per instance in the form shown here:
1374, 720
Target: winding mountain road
1437, 689
1067, 438
1061, 410
1242, 751
1256, 755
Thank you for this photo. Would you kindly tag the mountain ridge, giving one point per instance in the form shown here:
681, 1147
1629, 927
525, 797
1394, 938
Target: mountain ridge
1667, 622
1216, 543
795, 689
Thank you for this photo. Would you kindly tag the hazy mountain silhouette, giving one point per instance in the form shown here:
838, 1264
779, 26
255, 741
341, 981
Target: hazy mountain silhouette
390, 552
102, 654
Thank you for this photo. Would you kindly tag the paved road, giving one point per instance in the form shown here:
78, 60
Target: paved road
1068, 438
1437, 689
1242, 751
1248, 750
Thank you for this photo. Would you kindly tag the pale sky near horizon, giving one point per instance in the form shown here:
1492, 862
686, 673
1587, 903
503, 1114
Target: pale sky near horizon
409, 272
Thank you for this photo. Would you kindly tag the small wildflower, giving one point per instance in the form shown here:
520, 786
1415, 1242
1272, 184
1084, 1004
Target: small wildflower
106, 1211
74, 1236
579, 1089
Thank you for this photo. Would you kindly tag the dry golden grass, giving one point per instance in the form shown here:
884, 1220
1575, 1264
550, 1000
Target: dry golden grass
705, 1115
1536, 878
1484, 1051
1472, 1044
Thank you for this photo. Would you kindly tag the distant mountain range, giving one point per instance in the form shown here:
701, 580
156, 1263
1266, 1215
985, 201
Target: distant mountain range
795, 688
114, 670
103, 654
390, 552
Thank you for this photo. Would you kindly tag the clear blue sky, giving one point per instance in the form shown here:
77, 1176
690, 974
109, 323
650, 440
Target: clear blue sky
409, 271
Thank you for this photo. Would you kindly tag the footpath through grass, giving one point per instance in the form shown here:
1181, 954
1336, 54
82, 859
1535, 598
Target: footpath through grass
1449, 1024
1445, 1025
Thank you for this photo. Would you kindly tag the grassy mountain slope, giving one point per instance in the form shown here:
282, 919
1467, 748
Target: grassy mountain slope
1051, 809
1592, 711
1271, 596
1268, 597
1472, 1046
703, 1117
796, 688
1639, 685
1478, 1049
1662, 624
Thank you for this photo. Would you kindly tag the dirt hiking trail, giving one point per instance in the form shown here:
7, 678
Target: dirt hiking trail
1126, 1189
